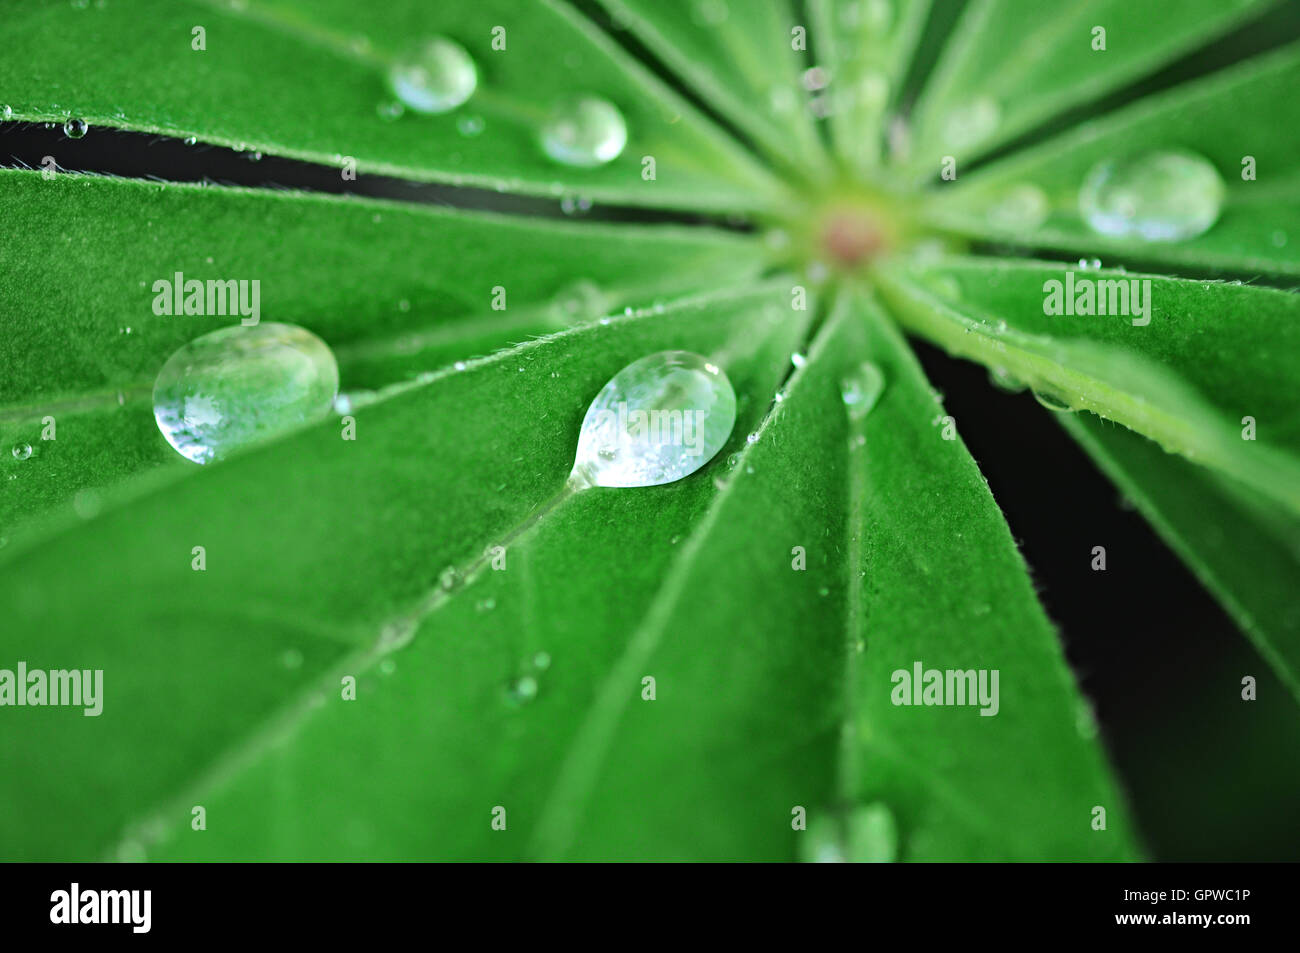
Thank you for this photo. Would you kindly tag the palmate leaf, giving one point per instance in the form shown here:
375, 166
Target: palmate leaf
752, 716
1256, 232
329, 559
395, 289
321, 78
1013, 63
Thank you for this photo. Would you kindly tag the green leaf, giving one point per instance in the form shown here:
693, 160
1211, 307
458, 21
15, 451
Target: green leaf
988, 88
320, 78
941, 584
741, 62
1256, 231
1153, 378
1242, 549
322, 553
396, 289
867, 48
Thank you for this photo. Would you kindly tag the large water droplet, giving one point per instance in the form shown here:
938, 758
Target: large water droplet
659, 419
434, 78
75, 128
1164, 196
586, 131
242, 385
22, 451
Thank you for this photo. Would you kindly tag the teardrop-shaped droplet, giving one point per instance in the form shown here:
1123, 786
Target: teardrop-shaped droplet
659, 419
861, 389
1164, 196
241, 385
586, 131
436, 77
1052, 403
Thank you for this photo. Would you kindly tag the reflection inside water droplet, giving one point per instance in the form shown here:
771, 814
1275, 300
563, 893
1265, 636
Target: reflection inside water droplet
861, 389
1162, 196
242, 385
436, 77
657, 420
586, 131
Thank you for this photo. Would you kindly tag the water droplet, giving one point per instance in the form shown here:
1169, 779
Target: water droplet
22, 451
1163, 196
470, 126
486, 605
581, 300
585, 132
657, 420
75, 128
575, 205
436, 77
1003, 380
815, 78
1052, 403
798, 360
971, 123
460, 365
752, 438
542, 661
1022, 207
866, 835
390, 111
6, 112
241, 385
522, 690
1089, 264
862, 389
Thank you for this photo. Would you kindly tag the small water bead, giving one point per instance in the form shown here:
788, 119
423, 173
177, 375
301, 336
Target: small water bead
659, 419
436, 77
575, 205
241, 385
521, 690
1054, 404
1162, 196
1022, 207
22, 451
75, 128
752, 438
6, 111
1090, 264
390, 111
586, 132
862, 389
542, 661
798, 360
972, 123
815, 78
470, 126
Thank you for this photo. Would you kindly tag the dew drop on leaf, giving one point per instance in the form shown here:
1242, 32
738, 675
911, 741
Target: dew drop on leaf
470, 126
1163, 196
521, 690
971, 123
75, 128
22, 451
1052, 403
241, 385
1022, 207
861, 389
657, 420
586, 131
436, 77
